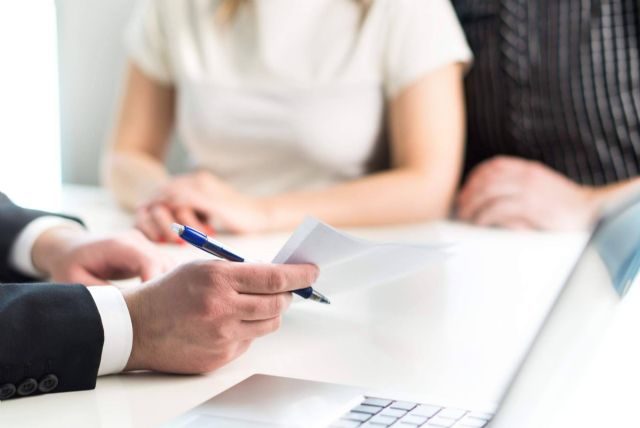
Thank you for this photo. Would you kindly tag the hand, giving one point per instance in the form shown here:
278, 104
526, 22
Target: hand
520, 194
204, 314
70, 254
200, 200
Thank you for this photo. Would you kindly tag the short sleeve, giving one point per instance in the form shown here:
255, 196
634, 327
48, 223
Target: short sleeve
423, 35
147, 42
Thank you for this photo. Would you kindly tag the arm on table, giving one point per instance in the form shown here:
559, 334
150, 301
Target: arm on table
58, 338
134, 168
51, 339
13, 221
427, 138
521, 194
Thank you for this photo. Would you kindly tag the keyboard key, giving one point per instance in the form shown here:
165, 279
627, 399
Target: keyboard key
404, 405
452, 413
426, 410
413, 420
343, 423
382, 420
377, 402
471, 422
365, 408
481, 415
396, 413
362, 417
439, 422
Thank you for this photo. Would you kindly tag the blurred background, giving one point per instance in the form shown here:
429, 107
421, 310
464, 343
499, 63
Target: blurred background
69, 90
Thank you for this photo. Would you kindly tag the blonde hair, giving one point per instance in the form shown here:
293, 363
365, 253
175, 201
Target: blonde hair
228, 8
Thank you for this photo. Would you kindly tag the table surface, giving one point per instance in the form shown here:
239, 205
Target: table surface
450, 334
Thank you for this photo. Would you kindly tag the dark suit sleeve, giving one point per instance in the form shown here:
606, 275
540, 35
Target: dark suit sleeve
51, 336
51, 339
12, 220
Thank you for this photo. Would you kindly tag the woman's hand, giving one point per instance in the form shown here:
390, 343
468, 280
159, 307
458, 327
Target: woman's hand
202, 201
519, 194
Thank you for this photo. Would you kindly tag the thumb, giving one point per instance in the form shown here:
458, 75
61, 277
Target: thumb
150, 269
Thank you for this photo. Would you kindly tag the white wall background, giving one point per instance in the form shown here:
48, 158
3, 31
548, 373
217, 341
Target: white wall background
61, 66
92, 62
29, 119
91, 58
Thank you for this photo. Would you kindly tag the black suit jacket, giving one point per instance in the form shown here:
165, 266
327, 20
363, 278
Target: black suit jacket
557, 82
51, 335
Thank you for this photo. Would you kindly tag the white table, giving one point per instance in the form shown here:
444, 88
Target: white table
451, 334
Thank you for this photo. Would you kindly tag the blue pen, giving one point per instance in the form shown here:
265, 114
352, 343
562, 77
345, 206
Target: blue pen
211, 246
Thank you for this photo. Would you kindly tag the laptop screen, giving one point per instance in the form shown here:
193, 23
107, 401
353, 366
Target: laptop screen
576, 323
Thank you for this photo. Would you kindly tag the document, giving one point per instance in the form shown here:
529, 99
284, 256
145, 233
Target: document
347, 263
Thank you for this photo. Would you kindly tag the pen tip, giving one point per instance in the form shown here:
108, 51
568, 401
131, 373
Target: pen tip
177, 228
325, 301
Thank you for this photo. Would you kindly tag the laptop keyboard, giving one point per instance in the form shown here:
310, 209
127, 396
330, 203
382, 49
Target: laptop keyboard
379, 413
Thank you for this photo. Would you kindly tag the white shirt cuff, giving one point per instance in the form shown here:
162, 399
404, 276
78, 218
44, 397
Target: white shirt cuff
20, 254
118, 331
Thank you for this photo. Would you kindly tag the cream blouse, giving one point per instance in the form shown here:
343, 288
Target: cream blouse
289, 94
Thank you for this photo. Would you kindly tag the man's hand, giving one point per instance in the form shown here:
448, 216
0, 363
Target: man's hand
202, 315
69, 254
520, 194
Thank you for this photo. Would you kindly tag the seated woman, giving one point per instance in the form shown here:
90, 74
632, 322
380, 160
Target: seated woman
554, 110
284, 107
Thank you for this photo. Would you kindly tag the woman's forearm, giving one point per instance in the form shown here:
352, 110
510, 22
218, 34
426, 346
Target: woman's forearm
133, 177
427, 135
397, 196
134, 168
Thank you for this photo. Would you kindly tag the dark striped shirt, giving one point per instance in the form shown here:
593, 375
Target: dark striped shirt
556, 81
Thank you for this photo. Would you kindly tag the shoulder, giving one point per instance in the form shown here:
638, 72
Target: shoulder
404, 8
413, 16
171, 9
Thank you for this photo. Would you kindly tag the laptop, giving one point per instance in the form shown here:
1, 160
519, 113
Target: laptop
548, 373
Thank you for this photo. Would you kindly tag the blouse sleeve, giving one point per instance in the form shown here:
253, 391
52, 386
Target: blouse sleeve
147, 43
423, 36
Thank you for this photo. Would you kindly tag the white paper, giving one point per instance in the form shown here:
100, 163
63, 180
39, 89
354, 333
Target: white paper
347, 262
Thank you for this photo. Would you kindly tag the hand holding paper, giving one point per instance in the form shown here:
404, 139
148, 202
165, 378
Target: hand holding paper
347, 262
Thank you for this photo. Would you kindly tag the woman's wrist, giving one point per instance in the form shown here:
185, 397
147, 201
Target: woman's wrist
278, 214
135, 177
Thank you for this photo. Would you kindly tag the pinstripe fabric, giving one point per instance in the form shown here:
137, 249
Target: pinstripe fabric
556, 81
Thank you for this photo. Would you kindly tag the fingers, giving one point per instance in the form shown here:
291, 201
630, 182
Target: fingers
495, 169
469, 208
155, 221
150, 269
145, 260
269, 278
146, 225
518, 224
501, 212
80, 276
126, 256
256, 307
497, 178
253, 329
163, 219
189, 218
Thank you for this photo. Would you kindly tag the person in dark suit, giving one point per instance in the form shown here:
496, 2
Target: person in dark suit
553, 106
57, 337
